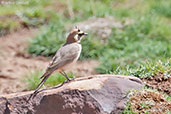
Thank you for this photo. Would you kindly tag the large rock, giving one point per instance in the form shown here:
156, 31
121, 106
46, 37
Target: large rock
99, 94
101, 26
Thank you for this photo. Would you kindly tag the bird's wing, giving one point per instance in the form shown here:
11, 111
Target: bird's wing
64, 55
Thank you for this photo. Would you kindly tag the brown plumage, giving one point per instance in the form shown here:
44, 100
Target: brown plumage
66, 55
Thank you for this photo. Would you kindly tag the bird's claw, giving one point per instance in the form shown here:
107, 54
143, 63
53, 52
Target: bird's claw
69, 79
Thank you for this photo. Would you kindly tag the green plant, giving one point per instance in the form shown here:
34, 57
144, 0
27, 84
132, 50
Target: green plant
8, 25
128, 109
49, 41
168, 98
31, 12
162, 7
133, 45
33, 79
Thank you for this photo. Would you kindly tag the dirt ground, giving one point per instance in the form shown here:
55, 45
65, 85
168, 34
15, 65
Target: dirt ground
159, 82
153, 102
15, 62
149, 101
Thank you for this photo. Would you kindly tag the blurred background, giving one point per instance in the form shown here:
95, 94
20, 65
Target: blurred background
126, 37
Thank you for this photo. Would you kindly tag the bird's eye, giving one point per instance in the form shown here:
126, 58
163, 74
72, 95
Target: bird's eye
78, 30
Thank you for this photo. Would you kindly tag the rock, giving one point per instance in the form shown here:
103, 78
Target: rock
101, 26
98, 94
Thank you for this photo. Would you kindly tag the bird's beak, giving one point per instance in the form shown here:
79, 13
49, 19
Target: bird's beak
85, 33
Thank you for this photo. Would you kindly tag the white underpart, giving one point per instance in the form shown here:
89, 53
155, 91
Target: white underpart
80, 48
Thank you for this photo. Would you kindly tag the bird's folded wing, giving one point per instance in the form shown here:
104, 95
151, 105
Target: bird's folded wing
64, 56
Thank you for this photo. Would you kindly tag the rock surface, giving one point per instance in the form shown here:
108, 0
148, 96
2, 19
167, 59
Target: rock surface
98, 94
102, 26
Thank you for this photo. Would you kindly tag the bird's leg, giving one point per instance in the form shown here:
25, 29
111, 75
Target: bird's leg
70, 79
64, 74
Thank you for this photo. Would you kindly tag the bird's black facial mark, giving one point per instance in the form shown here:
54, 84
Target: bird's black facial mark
80, 35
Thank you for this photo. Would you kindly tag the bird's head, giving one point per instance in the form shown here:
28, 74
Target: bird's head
75, 35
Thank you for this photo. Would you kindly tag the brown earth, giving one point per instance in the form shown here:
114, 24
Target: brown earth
153, 102
159, 82
15, 62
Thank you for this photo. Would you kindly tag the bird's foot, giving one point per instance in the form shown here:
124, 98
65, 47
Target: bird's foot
69, 79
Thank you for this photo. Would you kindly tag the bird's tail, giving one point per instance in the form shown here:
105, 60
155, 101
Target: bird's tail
44, 77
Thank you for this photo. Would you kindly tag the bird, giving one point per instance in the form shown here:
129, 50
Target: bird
65, 56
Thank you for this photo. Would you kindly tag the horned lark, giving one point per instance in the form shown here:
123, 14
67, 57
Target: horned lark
65, 56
